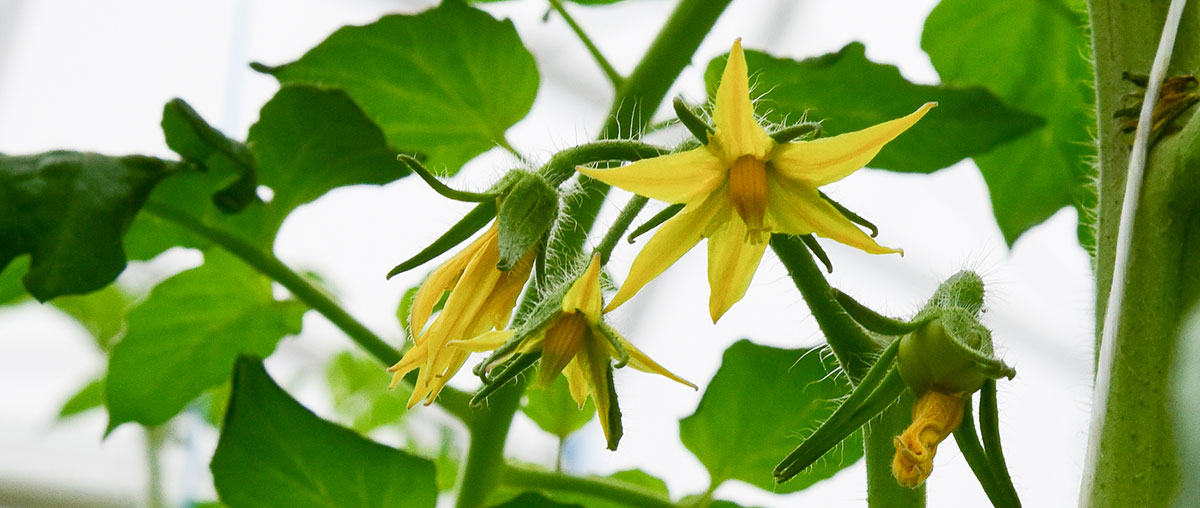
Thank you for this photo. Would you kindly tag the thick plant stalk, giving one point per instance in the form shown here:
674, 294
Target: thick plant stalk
882, 489
1131, 451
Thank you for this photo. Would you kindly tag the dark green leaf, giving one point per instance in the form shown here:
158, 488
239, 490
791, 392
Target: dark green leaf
535, 500
103, 313
185, 336
199, 143
89, 397
447, 82
274, 453
847, 92
1031, 54
753, 410
555, 411
69, 211
359, 388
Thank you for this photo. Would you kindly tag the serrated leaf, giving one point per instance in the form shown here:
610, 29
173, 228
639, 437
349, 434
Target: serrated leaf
69, 211
847, 92
359, 388
1031, 54
535, 500
89, 397
274, 453
446, 83
555, 411
185, 337
756, 407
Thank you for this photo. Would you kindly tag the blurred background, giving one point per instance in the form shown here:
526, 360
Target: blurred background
89, 75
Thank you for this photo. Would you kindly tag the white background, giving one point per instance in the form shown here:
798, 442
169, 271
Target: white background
94, 76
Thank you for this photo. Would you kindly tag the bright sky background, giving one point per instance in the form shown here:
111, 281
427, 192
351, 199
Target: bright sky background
92, 75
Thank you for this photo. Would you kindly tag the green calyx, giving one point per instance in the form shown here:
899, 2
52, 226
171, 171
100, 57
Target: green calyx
528, 209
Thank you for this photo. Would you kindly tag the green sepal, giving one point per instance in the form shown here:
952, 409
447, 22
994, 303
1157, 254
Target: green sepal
992, 477
810, 241
527, 212
878, 390
415, 165
696, 125
654, 222
853, 217
615, 429
188, 135
472, 222
614, 339
872, 320
802, 130
952, 352
508, 371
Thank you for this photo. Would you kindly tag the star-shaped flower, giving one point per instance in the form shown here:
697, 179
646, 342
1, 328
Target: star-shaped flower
741, 187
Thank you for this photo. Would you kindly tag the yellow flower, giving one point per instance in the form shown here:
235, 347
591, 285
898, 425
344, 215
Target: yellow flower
771, 186
482, 298
576, 342
935, 416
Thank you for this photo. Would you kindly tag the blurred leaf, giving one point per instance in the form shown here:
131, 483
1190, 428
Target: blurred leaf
848, 92
535, 500
1032, 54
631, 477
185, 336
103, 313
446, 83
555, 411
213, 403
274, 453
448, 462
359, 388
1185, 407
91, 396
754, 409
11, 290
199, 143
642, 479
69, 211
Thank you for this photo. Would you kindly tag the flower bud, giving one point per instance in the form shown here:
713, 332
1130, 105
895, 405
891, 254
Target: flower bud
527, 212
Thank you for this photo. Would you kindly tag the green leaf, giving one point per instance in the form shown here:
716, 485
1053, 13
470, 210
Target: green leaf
274, 453
642, 479
69, 211
89, 397
848, 92
103, 313
11, 290
199, 143
185, 337
1031, 54
753, 409
359, 388
535, 500
446, 83
555, 411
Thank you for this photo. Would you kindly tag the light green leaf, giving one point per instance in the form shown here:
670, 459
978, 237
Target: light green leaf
1031, 54
103, 313
446, 83
185, 337
11, 290
359, 388
642, 479
69, 211
848, 92
89, 397
755, 409
555, 411
274, 453
535, 500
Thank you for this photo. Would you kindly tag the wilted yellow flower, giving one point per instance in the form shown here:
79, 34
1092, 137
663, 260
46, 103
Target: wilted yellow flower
935, 416
576, 342
771, 186
481, 298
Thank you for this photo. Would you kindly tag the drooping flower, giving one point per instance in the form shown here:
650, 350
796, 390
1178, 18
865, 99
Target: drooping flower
481, 298
575, 341
740, 187
935, 415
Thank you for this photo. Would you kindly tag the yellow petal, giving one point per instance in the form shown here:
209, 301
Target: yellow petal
732, 261
642, 362
564, 339
455, 362
672, 241
675, 178
584, 295
593, 362
797, 209
443, 278
411, 359
826, 160
576, 382
483, 343
508, 288
737, 132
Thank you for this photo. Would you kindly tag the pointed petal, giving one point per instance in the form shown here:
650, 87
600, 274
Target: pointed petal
502, 301
675, 178
411, 359
455, 362
445, 277
593, 362
576, 382
672, 241
826, 160
737, 132
584, 294
797, 209
732, 261
642, 362
483, 343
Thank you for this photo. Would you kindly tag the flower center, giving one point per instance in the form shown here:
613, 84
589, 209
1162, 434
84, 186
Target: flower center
562, 342
748, 191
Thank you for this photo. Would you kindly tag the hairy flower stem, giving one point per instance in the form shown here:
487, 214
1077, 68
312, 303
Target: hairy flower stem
1131, 453
670, 52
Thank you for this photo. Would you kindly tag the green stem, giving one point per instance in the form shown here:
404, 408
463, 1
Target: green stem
485, 457
613, 76
156, 437
453, 401
624, 220
882, 489
562, 165
1131, 457
600, 488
